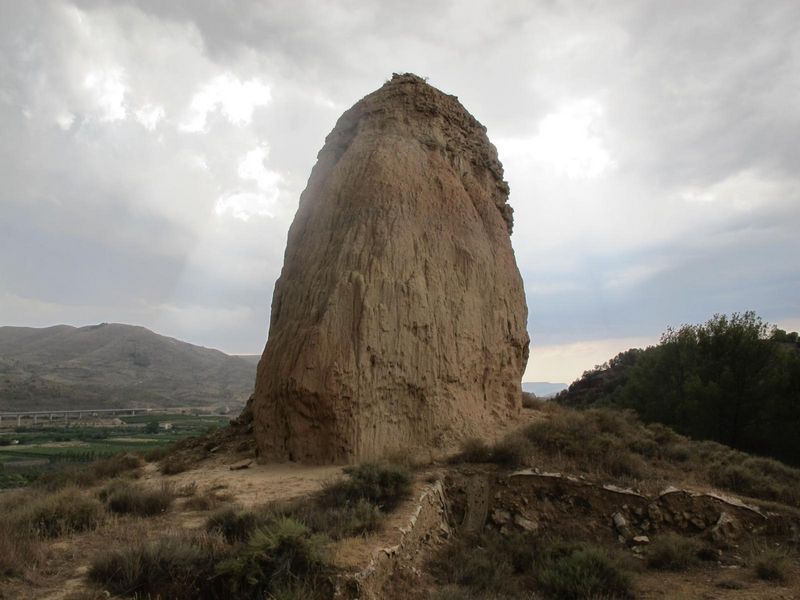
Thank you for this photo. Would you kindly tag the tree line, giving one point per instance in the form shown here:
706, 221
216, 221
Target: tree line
734, 379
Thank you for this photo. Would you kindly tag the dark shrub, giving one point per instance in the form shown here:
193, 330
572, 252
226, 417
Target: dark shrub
492, 565
280, 554
384, 485
587, 572
672, 552
772, 565
352, 519
234, 524
512, 451
475, 450
88, 475
174, 567
479, 562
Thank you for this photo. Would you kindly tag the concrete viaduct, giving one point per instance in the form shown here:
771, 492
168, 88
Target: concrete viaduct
50, 415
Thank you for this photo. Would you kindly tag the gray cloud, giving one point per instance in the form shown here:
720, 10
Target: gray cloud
650, 148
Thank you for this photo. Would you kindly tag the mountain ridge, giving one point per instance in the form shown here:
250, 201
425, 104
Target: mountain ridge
114, 364
543, 389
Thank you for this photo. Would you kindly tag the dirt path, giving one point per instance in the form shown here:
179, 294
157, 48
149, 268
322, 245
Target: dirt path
253, 485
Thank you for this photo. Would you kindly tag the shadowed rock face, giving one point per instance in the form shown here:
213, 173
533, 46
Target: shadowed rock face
399, 318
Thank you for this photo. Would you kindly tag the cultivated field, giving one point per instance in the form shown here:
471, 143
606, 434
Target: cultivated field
28, 452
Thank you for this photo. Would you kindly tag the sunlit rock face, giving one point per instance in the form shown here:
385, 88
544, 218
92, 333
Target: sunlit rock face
399, 318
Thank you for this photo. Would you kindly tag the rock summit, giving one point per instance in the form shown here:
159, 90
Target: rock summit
399, 318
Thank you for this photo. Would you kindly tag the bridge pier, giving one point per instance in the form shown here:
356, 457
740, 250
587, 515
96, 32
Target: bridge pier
19, 420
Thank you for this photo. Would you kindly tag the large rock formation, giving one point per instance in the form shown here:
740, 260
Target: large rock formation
399, 319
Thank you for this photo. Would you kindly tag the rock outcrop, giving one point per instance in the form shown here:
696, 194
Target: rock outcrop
399, 318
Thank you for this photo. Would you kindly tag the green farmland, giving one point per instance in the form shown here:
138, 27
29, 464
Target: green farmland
28, 452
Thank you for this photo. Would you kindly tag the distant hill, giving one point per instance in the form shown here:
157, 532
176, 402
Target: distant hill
250, 358
110, 365
543, 389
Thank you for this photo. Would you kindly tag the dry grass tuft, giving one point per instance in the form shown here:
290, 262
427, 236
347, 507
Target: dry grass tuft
179, 567
475, 450
512, 451
124, 497
19, 551
91, 474
233, 524
174, 464
206, 501
52, 515
673, 552
771, 564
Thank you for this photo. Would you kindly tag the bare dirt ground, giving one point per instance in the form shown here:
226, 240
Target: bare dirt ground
256, 484
714, 584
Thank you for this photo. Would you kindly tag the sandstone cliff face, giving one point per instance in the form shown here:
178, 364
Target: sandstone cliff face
399, 319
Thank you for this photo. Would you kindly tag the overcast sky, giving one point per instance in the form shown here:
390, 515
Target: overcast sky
152, 155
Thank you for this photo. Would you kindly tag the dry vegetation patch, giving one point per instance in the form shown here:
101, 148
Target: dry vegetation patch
125, 497
232, 523
771, 563
353, 506
176, 566
279, 550
60, 513
753, 476
19, 551
93, 473
673, 552
275, 557
512, 566
206, 501
614, 444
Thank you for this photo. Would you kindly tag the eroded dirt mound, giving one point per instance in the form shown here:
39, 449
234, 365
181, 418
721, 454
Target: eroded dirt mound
399, 318
533, 501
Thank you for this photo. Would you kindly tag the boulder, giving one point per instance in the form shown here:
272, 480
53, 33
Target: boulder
399, 318
726, 529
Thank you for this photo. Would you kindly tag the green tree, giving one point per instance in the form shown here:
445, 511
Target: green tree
733, 379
